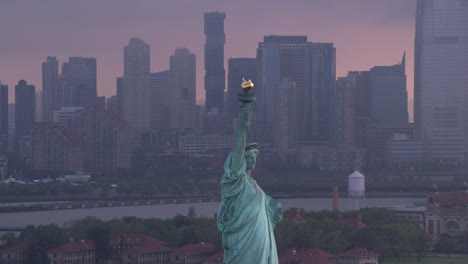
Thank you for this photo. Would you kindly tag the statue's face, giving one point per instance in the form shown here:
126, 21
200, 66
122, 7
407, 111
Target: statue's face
251, 158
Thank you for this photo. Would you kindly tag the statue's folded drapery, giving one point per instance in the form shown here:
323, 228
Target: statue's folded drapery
246, 218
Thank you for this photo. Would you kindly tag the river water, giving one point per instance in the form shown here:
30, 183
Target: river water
60, 217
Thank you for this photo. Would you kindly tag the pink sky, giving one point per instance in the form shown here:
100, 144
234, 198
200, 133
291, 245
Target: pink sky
365, 32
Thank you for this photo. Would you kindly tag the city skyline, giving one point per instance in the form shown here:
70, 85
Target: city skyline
377, 35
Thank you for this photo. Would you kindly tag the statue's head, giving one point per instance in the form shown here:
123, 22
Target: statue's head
251, 152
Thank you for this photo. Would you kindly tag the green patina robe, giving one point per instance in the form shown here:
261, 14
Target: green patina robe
246, 218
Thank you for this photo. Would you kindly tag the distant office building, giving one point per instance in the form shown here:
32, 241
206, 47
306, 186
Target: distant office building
100, 102
136, 85
119, 94
380, 136
282, 57
65, 114
78, 82
284, 117
107, 145
330, 158
25, 108
11, 126
214, 60
56, 148
239, 68
405, 153
160, 100
3, 118
362, 107
50, 88
111, 104
389, 99
203, 144
318, 107
182, 88
441, 70
38, 116
343, 131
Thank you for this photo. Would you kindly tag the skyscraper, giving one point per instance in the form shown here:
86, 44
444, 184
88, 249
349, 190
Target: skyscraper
160, 100
78, 82
136, 86
239, 68
25, 107
318, 96
282, 57
214, 61
3, 117
50, 86
38, 111
119, 94
389, 100
182, 89
441, 70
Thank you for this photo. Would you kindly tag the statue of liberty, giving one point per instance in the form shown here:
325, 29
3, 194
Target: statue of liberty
247, 216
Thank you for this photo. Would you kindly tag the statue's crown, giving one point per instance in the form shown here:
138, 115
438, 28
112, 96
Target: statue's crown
251, 146
247, 84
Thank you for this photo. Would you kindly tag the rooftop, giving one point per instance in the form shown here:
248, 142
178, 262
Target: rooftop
195, 249
83, 245
357, 252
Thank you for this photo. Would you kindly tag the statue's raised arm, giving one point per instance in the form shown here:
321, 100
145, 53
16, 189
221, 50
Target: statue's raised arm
246, 99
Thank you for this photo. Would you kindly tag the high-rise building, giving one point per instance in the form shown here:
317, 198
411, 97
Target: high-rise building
136, 86
441, 70
389, 97
284, 117
182, 88
25, 108
214, 61
111, 104
322, 66
160, 100
3, 118
107, 145
78, 82
239, 68
50, 88
38, 106
119, 94
56, 148
282, 57
344, 111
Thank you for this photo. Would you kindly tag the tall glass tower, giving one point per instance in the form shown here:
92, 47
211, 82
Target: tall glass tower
214, 60
441, 70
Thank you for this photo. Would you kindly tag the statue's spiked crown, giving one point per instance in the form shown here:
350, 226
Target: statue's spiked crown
251, 146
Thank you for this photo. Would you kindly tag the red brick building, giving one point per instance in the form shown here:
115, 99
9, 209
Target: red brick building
139, 248
80, 252
15, 254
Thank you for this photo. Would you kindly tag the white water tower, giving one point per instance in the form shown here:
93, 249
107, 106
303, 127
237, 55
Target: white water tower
356, 191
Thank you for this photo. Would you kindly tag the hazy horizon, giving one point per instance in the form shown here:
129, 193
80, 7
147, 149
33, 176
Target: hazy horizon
365, 33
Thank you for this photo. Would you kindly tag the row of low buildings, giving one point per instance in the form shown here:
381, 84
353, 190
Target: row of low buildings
142, 249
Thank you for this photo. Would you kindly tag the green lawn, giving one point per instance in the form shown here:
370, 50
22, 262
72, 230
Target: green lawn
431, 260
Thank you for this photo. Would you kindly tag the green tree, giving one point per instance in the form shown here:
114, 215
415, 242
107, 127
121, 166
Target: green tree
445, 245
101, 235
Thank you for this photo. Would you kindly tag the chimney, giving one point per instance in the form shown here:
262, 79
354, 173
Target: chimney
335, 197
